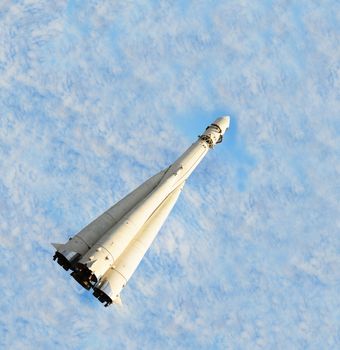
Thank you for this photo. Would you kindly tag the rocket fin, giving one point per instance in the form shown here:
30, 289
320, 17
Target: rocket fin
118, 301
57, 246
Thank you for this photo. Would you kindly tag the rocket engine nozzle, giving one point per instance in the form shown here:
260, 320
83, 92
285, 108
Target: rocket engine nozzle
102, 297
66, 259
84, 276
62, 261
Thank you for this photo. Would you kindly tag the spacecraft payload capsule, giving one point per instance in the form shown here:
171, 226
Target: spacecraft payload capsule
104, 255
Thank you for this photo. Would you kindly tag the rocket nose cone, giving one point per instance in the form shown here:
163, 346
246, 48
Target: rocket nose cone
223, 123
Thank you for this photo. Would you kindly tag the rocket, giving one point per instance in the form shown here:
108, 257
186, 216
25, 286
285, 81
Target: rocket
104, 255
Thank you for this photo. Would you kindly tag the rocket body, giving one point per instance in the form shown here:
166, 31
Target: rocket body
104, 255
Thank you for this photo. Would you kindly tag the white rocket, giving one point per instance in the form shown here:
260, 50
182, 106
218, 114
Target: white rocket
105, 254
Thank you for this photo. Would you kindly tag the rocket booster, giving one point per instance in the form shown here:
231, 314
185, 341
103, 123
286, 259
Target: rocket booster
104, 255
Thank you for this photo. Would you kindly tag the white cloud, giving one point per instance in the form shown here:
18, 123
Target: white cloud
92, 98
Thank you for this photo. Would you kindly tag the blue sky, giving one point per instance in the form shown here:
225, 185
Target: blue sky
97, 96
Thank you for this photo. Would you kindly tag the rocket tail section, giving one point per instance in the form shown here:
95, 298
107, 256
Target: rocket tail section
114, 280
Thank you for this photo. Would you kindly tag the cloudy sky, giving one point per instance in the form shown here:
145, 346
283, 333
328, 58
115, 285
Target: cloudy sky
97, 96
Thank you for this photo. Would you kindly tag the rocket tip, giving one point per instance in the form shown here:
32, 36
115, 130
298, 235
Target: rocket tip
223, 123
226, 118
